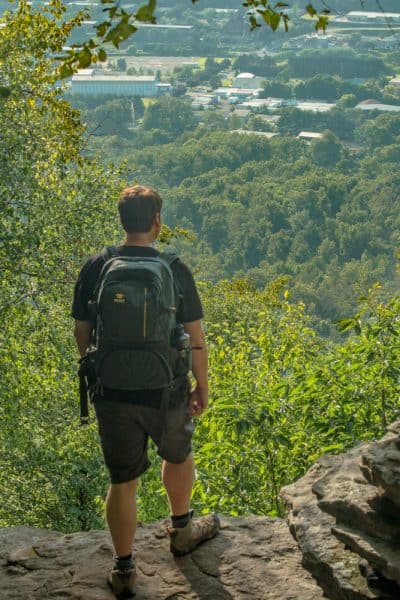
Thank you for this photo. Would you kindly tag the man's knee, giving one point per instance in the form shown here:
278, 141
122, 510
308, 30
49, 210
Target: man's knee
126, 487
178, 460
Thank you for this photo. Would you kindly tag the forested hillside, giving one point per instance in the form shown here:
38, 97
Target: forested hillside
320, 214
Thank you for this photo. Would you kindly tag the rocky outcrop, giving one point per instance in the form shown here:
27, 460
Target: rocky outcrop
251, 559
345, 516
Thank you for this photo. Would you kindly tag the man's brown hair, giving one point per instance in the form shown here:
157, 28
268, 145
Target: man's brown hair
137, 206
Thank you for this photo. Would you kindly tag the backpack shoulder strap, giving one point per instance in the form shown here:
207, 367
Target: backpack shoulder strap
169, 257
108, 252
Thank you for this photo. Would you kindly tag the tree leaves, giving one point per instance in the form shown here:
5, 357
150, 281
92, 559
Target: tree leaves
120, 32
145, 13
4, 91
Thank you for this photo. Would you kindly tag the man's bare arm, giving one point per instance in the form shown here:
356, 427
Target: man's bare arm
82, 331
199, 396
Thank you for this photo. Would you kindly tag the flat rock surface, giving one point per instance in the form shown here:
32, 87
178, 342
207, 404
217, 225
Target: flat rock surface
336, 568
252, 558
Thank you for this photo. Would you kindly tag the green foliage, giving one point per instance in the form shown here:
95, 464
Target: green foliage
114, 117
335, 61
263, 66
382, 131
326, 151
51, 473
281, 397
169, 114
315, 212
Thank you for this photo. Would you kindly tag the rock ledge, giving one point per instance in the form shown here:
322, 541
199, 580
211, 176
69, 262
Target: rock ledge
252, 558
345, 515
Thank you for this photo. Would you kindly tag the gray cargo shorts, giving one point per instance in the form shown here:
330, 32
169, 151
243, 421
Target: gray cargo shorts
125, 427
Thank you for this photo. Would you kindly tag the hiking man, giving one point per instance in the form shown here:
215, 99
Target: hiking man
126, 415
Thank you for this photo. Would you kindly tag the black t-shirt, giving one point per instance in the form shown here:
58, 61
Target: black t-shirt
189, 305
189, 308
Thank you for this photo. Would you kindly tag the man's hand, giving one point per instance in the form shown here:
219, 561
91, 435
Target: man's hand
199, 396
82, 331
198, 401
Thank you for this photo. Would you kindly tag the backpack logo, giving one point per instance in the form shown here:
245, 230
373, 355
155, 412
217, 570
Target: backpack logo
119, 298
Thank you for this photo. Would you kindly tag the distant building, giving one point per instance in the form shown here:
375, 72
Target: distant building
239, 93
270, 103
203, 101
309, 136
265, 134
394, 85
277, 103
247, 81
375, 105
312, 40
314, 106
360, 16
89, 83
390, 42
164, 26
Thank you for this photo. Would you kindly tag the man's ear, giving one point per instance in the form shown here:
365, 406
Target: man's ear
157, 221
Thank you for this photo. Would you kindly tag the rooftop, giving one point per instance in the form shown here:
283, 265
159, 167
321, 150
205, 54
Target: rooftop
375, 105
373, 15
91, 75
271, 103
315, 106
309, 135
233, 91
245, 76
162, 26
266, 134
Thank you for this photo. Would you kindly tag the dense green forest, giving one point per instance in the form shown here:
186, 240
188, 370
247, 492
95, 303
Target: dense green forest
288, 236
319, 213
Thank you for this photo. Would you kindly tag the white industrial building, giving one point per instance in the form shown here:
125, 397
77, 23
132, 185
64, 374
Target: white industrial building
88, 82
360, 16
247, 81
238, 93
309, 136
376, 105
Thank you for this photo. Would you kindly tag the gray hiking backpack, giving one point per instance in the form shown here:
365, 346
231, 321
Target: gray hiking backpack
135, 314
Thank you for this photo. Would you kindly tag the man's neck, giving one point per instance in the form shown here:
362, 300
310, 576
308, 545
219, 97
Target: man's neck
139, 240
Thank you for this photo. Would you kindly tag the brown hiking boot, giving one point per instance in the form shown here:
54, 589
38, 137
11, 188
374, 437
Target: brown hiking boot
185, 539
122, 582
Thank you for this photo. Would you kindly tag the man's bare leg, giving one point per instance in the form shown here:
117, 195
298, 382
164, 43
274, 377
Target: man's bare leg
121, 515
178, 481
186, 533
